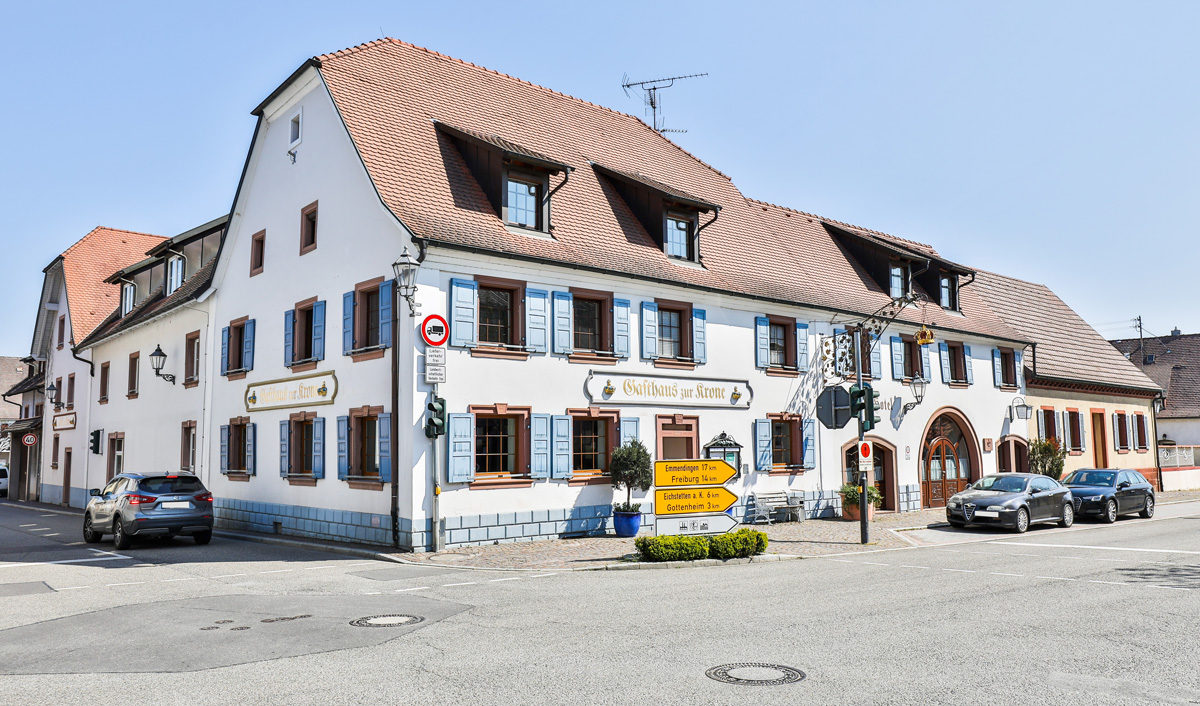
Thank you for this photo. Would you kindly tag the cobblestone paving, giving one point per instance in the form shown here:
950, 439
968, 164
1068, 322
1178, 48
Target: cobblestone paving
808, 538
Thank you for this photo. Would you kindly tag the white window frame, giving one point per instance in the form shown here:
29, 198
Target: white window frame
128, 295
905, 283
296, 117
175, 270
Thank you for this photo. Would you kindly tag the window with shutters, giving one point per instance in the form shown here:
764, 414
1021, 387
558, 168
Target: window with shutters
592, 326
364, 442
103, 383
307, 335
191, 362
787, 443
238, 433
1074, 431
501, 327
132, 389
781, 345
502, 446
1122, 434
1049, 423
674, 334
594, 436
898, 279
235, 367
913, 360
308, 228
1008, 367
187, 447
958, 362
71, 391
302, 439
1140, 432
258, 252
948, 292
116, 454
368, 324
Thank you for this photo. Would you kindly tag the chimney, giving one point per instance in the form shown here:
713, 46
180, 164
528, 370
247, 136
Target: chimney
1175, 332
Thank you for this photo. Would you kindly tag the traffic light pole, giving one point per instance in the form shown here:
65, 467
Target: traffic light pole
864, 527
438, 540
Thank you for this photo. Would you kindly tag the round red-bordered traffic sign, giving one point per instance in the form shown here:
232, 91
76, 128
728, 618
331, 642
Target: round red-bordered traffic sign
29, 439
864, 450
435, 330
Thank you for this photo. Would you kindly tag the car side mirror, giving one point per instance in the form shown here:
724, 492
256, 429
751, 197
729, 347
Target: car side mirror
94, 492
1123, 484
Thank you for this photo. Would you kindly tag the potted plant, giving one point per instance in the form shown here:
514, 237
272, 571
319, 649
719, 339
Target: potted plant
630, 468
850, 500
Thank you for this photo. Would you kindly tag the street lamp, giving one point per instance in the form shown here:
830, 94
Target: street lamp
918, 390
157, 360
52, 393
405, 270
1019, 410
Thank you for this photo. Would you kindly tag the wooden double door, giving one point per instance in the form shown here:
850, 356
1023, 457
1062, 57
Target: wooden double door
942, 474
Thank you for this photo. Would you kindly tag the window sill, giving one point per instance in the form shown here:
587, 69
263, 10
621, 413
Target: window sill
782, 373
589, 359
1009, 388
1073, 452
305, 249
673, 364
372, 354
302, 480
190, 383
1143, 451
958, 384
240, 375
60, 346
102, 400
1122, 452
238, 476
300, 367
787, 471
364, 484
499, 353
590, 480
256, 271
54, 465
69, 407
531, 232
131, 396
686, 263
495, 483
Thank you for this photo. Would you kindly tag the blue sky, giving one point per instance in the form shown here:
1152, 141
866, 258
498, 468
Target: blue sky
1055, 142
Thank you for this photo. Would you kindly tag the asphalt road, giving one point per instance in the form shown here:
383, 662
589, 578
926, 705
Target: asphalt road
1093, 615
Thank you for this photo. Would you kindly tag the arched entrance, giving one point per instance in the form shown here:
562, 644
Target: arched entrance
1012, 455
884, 476
949, 459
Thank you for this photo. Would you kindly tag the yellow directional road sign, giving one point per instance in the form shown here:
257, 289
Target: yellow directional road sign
684, 501
700, 471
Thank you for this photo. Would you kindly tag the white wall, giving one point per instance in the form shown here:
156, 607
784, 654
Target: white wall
61, 364
1184, 432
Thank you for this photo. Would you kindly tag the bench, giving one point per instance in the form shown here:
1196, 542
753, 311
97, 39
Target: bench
765, 505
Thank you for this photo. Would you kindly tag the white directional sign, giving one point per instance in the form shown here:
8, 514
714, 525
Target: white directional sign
716, 523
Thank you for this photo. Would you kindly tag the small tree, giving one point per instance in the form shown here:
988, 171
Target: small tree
1047, 456
630, 468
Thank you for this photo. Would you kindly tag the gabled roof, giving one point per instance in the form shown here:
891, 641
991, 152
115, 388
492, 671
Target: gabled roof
1067, 348
32, 382
1176, 369
152, 306
387, 92
86, 266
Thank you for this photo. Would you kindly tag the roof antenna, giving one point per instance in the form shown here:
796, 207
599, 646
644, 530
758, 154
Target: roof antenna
650, 97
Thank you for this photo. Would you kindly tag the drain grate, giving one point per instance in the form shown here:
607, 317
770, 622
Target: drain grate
386, 621
755, 674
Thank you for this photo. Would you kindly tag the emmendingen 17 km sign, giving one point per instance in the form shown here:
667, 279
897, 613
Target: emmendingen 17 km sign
689, 497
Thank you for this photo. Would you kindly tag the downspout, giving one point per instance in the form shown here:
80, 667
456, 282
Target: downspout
91, 365
716, 215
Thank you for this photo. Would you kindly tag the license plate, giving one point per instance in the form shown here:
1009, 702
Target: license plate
177, 505
986, 513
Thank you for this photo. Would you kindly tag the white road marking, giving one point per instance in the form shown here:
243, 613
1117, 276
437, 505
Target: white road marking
1172, 588
961, 571
63, 561
910, 566
998, 573
190, 578
71, 588
48, 514
372, 593
1111, 549
464, 583
129, 583
318, 568
415, 588
52, 534
845, 561
31, 524
873, 563
274, 571
510, 578
40, 529
225, 576
365, 563
1112, 583
1056, 578
538, 576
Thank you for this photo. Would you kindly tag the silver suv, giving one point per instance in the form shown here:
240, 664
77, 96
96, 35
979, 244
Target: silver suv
147, 505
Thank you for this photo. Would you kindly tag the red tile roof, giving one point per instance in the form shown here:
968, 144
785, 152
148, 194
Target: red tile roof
86, 265
1176, 368
390, 92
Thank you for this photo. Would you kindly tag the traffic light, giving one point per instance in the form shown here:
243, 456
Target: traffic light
435, 421
858, 399
870, 405
95, 441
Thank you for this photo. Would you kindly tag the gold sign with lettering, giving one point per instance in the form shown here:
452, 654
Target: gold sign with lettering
668, 391
300, 391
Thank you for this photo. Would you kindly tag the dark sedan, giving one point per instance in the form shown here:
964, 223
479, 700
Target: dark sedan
1108, 494
1013, 500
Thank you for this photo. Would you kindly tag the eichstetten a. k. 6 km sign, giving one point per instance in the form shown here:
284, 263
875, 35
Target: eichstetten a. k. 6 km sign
690, 497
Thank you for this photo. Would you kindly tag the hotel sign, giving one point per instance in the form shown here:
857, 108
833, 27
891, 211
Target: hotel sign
64, 422
300, 391
667, 390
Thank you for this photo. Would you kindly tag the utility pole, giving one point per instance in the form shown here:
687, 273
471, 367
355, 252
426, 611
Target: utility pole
1141, 348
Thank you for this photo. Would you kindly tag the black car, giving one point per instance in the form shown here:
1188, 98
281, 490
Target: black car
1013, 500
1108, 493
149, 505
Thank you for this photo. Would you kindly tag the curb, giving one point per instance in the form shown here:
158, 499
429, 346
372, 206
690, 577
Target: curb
54, 511
300, 544
697, 564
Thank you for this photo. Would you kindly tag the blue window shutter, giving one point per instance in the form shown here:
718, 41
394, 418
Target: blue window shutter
385, 447
944, 356
343, 447
649, 330
537, 320
539, 432
876, 358
762, 444
840, 340
225, 447
248, 345
897, 358
1116, 432
762, 342
968, 364
1082, 433
318, 461
289, 329
564, 322
699, 336
1041, 420
801, 346
621, 328
387, 297
629, 429
1129, 433
560, 432
463, 296
1020, 369
347, 323
251, 448
285, 430
997, 372
224, 351
461, 442
925, 371
809, 433
318, 332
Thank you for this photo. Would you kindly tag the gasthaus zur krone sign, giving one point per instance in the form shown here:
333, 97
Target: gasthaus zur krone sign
690, 497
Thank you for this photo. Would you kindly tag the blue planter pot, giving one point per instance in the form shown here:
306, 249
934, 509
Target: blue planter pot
627, 524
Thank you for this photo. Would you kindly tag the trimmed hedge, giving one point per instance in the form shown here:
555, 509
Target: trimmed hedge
743, 543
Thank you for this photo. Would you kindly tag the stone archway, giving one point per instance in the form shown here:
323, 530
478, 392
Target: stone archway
885, 469
950, 458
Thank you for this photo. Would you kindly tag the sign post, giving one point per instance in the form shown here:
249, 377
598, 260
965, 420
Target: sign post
864, 527
690, 497
29, 439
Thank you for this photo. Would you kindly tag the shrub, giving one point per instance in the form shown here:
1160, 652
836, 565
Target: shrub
627, 507
743, 543
849, 493
1047, 457
630, 468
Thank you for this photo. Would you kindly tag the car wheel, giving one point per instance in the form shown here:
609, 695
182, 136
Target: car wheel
1110, 511
90, 535
203, 537
956, 524
1068, 517
120, 539
1148, 511
1022, 521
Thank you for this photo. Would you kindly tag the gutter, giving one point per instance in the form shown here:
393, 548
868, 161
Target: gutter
91, 365
1145, 390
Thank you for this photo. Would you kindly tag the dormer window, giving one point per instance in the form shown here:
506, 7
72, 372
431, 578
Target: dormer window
948, 292
174, 274
127, 295
678, 239
898, 280
670, 216
523, 200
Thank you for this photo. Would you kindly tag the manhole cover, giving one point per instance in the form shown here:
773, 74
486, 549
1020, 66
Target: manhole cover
386, 621
243, 627
755, 674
